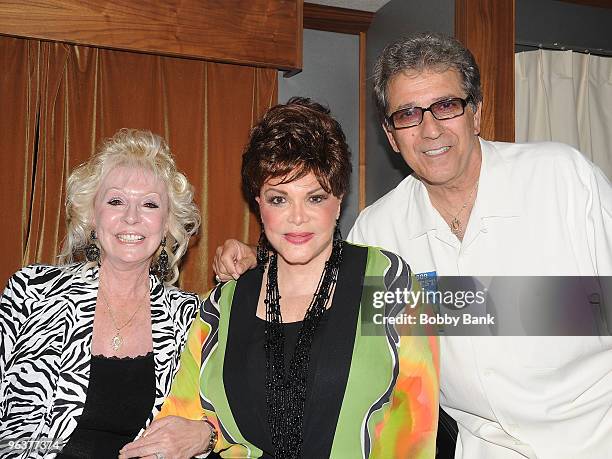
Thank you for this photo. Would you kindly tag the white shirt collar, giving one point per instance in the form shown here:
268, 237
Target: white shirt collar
495, 196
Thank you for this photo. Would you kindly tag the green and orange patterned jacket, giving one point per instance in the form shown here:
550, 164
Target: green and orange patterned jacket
390, 403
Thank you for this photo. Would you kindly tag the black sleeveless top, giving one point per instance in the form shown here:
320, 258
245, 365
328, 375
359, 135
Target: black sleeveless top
120, 397
328, 371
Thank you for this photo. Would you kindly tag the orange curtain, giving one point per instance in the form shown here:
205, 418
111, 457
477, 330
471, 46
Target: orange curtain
59, 101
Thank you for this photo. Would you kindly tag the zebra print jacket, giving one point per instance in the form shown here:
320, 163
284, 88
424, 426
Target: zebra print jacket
46, 326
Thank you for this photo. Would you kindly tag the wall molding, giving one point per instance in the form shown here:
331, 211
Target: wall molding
351, 22
597, 3
258, 33
334, 19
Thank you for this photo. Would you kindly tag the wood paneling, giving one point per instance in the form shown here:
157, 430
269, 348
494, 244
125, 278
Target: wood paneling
333, 19
263, 33
486, 27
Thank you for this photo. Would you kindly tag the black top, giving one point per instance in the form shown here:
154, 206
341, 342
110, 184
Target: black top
244, 371
120, 397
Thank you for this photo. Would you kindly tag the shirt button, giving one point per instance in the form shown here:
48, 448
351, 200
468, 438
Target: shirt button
488, 373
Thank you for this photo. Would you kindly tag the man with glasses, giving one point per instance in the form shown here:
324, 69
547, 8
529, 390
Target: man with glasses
477, 208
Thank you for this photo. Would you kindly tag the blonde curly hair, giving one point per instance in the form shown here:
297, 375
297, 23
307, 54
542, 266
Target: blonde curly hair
133, 148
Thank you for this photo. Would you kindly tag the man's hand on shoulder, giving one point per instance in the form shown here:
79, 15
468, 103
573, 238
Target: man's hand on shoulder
232, 259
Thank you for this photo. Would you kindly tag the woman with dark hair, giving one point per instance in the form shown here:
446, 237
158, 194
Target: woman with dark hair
288, 362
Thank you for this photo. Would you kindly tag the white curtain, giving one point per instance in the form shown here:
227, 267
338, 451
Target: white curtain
566, 97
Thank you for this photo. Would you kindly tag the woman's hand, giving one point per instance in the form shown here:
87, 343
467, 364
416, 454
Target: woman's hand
232, 259
172, 437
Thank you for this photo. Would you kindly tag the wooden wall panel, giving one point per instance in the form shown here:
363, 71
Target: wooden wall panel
334, 19
486, 27
265, 33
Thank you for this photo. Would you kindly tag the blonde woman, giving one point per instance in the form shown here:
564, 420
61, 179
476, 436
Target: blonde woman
89, 349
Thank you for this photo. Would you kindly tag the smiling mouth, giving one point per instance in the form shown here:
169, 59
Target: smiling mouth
130, 238
437, 151
299, 238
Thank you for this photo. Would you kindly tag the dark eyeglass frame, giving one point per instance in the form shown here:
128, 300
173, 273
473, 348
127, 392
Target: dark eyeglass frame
464, 103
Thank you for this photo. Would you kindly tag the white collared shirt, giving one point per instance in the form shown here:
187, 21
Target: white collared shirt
541, 210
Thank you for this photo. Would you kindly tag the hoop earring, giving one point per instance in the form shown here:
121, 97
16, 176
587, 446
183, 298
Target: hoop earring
92, 251
161, 267
263, 249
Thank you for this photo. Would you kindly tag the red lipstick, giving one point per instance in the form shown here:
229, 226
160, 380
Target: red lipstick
298, 238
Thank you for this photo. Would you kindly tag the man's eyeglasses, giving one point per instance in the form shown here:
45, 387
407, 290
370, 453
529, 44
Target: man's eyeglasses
441, 110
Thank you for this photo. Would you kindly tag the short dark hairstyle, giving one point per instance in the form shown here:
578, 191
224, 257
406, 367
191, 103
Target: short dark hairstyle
425, 51
291, 141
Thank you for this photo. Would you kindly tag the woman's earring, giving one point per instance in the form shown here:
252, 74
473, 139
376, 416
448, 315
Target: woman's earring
92, 251
262, 249
161, 267
337, 233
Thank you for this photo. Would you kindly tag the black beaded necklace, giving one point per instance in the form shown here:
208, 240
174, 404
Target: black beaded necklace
286, 393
